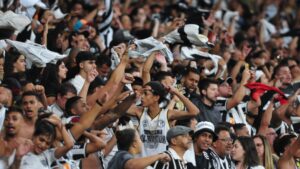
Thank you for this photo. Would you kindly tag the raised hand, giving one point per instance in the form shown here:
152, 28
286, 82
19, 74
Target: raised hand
128, 78
23, 148
164, 158
209, 21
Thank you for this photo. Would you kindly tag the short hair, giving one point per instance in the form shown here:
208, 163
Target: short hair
103, 60
238, 126
191, 70
280, 143
43, 127
32, 93
251, 157
14, 109
137, 81
161, 75
204, 83
71, 102
125, 138
220, 128
65, 88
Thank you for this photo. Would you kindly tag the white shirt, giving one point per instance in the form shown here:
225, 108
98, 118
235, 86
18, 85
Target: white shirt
77, 82
41, 161
54, 108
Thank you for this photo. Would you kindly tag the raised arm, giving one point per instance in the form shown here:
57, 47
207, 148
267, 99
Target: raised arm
141, 163
115, 113
113, 82
147, 67
67, 140
240, 92
192, 110
266, 119
95, 144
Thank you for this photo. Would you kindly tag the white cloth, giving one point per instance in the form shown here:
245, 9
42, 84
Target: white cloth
13, 20
54, 108
268, 29
77, 82
191, 33
36, 53
41, 161
191, 53
2, 116
146, 46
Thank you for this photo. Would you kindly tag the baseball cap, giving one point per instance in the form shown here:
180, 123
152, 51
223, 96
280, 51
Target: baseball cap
83, 56
205, 126
176, 131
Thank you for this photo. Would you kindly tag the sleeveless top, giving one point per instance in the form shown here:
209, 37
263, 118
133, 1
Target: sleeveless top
153, 132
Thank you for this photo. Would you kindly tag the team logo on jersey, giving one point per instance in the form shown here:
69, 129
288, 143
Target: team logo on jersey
145, 123
161, 123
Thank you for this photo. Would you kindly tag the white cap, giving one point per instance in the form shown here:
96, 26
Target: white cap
205, 126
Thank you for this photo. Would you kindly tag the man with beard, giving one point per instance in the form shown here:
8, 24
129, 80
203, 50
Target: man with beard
209, 91
190, 81
179, 140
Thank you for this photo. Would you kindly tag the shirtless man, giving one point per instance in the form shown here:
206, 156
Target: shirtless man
31, 103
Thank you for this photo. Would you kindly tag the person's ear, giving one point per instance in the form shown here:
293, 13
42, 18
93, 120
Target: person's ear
156, 98
81, 65
203, 92
173, 141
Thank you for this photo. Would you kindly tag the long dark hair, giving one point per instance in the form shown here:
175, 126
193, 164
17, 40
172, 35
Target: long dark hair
251, 157
50, 73
11, 57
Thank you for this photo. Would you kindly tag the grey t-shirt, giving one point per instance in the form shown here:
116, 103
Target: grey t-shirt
207, 113
119, 160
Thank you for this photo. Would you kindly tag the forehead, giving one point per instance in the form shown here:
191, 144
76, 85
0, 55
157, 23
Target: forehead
212, 85
224, 133
193, 75
147, 87
205, 133
14, 113
283, 69
257, 140
45, 137
29, 98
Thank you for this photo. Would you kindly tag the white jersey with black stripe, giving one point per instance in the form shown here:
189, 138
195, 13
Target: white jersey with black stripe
153, 132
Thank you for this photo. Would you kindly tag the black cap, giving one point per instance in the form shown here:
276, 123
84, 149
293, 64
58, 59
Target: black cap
83, 56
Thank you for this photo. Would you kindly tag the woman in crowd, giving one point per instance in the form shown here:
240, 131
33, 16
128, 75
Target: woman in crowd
264, 152
15, 66
53, 76
244, 154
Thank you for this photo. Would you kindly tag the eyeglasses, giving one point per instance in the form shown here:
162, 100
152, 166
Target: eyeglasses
227, 140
